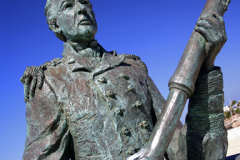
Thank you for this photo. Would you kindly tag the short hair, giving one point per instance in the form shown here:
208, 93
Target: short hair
51, 13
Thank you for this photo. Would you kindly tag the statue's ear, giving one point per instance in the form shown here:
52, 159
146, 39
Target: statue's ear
53, 26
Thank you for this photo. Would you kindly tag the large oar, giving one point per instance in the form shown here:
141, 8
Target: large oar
181, 87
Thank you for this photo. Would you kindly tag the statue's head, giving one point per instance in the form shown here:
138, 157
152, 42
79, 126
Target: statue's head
71, 20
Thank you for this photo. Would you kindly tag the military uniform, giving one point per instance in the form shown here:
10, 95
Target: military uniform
95, 108
105, 107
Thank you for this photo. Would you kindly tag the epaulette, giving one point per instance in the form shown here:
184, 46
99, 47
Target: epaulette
34, 76
134, 57
144, 65
131, 56
53, 63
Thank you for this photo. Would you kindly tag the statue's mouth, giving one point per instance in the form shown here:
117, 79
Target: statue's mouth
85, 22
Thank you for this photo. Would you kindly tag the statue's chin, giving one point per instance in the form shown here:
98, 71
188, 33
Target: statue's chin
85, 35
82, 39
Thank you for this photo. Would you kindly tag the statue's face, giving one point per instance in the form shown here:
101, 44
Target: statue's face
77, 20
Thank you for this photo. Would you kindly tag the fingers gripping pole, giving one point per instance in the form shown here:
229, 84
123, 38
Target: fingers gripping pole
194, 54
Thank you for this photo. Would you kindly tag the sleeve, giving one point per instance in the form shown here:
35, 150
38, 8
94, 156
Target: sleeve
47, 132
157, 99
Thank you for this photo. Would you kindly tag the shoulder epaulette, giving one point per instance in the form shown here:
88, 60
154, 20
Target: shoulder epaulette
134, 57
131, 56
144, 65
54, 63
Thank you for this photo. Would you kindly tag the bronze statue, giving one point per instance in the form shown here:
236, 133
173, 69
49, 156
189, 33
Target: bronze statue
94, 104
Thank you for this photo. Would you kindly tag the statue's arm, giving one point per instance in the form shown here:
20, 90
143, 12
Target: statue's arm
47, 133
157, 99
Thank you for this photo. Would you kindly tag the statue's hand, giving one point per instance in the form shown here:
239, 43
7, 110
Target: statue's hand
212, 27
137, 155
32, 77
141, 155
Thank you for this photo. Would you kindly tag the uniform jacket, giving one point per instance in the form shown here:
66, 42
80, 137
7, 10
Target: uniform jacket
95, 110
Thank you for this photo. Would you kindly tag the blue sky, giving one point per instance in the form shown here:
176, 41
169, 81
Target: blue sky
157, 31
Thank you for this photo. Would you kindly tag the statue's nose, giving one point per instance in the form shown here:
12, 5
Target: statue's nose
80, 8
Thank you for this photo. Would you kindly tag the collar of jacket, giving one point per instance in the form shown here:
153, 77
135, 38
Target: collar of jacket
90, 64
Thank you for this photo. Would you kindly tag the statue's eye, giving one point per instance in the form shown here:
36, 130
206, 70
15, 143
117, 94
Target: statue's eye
67, 5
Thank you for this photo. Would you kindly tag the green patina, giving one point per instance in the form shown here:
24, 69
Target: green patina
94, 104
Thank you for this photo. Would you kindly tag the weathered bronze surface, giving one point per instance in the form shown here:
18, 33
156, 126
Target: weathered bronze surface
94, 104
205, 43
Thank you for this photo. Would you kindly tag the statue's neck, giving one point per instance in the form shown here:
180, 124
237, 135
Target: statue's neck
83, 45
87, 49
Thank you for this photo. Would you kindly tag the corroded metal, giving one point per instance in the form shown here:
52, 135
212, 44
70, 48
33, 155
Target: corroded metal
99, 125
125, 131
137, 104
124, 76
143, 124
119, 111
200, 53
130, 88
205, 125
131, 56
103, 80
32, 77
94, 104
